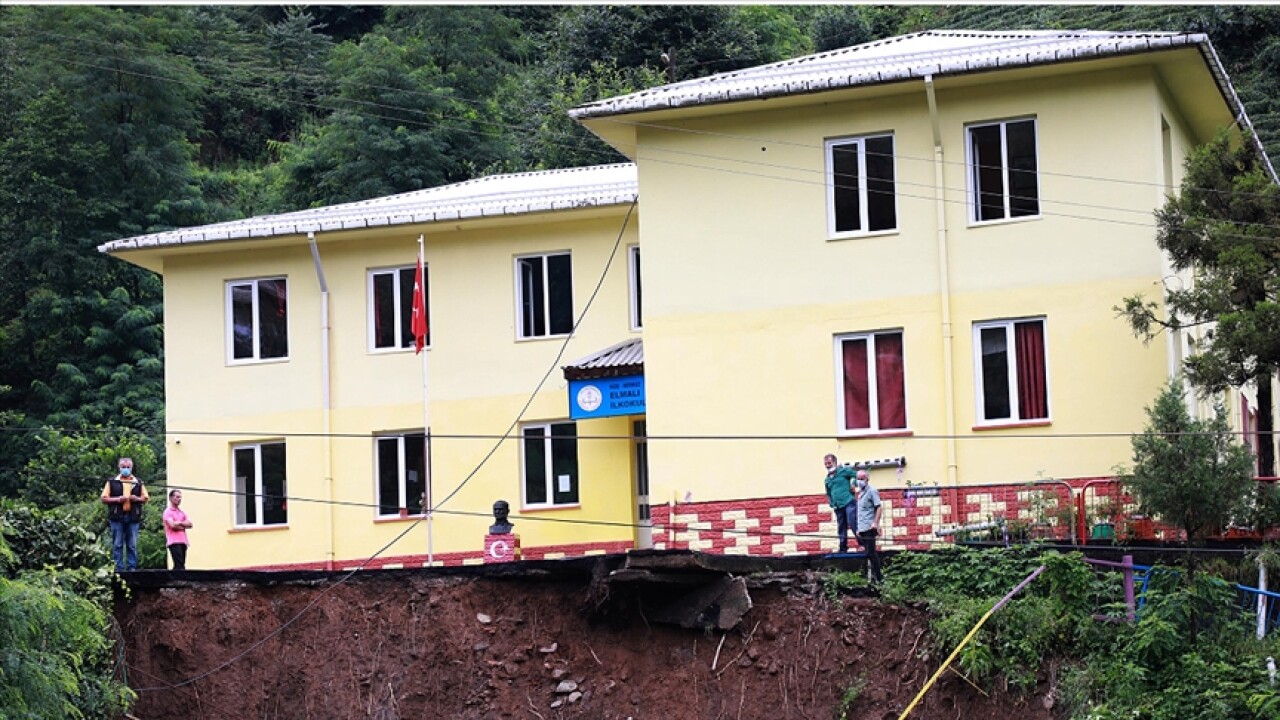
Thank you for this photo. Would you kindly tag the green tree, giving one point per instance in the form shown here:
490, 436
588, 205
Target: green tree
55, 655
1224, 226
396, 127
838, 26
71, 467
1190, 473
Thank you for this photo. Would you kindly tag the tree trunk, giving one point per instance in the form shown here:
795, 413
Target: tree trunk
1266, 426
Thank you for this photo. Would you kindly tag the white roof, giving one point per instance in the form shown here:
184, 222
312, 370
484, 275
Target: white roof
933, 52
492, 196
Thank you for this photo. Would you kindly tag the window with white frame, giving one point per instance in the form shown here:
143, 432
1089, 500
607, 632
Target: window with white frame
259, 484
860, 185
391, 307
1012, 375
872, 386
633, 265
1003, 180
544, 285
550, 464
258, 319
401, 463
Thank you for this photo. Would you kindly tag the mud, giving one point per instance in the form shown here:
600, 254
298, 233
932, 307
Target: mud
393, 645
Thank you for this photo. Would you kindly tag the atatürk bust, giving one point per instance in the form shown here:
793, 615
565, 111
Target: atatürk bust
501, 525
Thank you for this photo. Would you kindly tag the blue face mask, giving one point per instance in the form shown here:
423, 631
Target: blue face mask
126, 472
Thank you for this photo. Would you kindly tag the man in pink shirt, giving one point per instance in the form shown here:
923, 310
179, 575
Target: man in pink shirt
176, 524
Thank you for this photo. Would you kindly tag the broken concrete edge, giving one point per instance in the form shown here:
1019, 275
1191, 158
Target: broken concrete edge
578, 568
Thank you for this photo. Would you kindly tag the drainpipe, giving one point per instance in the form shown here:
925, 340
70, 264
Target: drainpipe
326, 400
944, 291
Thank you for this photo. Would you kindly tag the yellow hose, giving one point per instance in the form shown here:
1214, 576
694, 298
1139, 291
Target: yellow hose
965, 641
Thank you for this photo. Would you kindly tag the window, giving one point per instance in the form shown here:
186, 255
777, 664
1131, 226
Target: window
401, 477
872, 395
260, 489
637, 314
545, 285
391, 307
550, 464
1002, 170
1012, 377
860, 186
259, 314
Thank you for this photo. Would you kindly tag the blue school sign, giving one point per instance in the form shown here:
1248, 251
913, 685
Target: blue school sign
606, 397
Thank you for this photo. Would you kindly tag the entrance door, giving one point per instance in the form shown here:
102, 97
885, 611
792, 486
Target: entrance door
644, 529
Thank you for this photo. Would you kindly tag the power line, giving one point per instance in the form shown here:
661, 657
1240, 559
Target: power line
994, 432
564, 345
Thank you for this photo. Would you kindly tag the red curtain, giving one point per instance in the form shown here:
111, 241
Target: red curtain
857, 405
1033, 394
891, 398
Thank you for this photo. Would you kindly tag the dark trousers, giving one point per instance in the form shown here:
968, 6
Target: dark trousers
868, 542
179, 553
846, 522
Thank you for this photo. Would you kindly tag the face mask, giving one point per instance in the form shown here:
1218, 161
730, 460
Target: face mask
126, 472
862, 484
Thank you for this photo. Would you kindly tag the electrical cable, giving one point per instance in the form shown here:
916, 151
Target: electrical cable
564, 345
994, 432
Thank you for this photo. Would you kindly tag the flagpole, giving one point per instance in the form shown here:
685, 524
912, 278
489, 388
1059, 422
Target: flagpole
428, 500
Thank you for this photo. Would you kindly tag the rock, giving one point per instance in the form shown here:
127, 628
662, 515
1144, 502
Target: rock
565, 687
753, 653
548, 649
559, 673
480, 646
484, 619
574, 697
556, 704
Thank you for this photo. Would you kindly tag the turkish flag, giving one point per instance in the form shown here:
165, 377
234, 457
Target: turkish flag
418, 324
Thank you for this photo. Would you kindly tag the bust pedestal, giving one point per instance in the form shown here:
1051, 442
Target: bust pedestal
501, 548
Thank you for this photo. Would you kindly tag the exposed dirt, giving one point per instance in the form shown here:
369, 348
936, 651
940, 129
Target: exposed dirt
400, 644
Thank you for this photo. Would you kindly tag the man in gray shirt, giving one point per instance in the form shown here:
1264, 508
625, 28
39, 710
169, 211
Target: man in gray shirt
869, 522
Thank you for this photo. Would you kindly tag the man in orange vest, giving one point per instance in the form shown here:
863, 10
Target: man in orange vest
124, 497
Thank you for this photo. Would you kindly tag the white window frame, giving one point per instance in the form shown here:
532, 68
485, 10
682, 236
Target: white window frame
237, 491
971, 170
548, 464
635, 288
398, 311
1012, 390
401, 473
873, 391
546, 293
229, 308
864, 207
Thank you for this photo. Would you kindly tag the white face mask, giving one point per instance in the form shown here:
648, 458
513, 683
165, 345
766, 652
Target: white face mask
862, 484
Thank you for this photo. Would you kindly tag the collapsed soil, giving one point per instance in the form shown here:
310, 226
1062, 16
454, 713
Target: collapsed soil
398, 645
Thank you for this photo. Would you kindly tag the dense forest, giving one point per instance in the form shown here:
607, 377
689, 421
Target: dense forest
118, 121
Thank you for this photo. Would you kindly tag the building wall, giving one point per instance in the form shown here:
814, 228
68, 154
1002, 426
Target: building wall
745, 302
480, 377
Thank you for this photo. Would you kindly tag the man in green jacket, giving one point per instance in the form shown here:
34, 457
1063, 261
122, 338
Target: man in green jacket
840, 496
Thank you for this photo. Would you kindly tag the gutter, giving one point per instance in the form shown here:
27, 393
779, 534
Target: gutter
944, 292
326, 400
